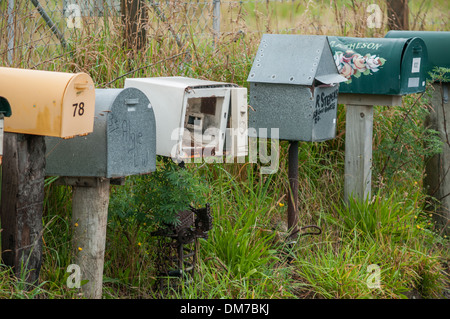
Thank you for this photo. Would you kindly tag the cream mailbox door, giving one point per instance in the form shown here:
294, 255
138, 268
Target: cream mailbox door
48, 103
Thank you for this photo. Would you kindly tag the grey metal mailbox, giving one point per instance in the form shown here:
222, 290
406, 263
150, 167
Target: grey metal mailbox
123, 141
294, 86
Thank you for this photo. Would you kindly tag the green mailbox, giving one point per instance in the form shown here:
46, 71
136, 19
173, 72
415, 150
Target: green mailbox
437, 179
5, 108
438, 45
380, 66
5, 111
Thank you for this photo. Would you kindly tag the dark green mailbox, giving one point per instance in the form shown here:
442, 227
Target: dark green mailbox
437, 179
5, 108
5, 111
438, 46
380, 65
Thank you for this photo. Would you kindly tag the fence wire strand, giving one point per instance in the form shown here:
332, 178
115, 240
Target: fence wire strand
35, 31
32, 31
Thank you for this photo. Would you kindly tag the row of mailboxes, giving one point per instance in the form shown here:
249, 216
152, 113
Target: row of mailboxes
118, 132
294, 85
295, 79
175, 117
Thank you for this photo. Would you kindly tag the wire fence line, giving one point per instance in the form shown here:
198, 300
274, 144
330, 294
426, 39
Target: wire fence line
37, 29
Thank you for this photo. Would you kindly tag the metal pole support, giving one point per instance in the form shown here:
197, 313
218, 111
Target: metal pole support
216, 19
293, 188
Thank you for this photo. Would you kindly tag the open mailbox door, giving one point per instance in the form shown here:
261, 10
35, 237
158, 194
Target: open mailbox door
194, 117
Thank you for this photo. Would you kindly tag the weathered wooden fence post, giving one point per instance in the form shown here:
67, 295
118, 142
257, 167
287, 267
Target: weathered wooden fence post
90, 203
22, 201
437, 168
134, 18
358, 151
358, 141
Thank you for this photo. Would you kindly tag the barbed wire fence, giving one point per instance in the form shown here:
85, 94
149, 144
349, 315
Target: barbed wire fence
33, 31
36, 30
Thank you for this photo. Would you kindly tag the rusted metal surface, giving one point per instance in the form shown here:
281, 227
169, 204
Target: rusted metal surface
178, 245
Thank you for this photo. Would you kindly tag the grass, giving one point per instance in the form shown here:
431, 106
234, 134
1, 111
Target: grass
246, 254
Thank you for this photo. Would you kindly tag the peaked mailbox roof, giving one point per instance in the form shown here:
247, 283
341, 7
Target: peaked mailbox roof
294, 59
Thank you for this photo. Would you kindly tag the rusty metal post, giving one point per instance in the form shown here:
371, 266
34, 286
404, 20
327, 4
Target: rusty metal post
293, 188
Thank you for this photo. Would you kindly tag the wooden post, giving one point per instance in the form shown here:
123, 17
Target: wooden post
90, 203
398, 14
358, 141
293, 188
437, 168
134, 17
22, 198
358, 152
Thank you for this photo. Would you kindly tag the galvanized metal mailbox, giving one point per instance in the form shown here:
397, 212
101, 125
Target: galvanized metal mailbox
192, 115
294, 87
438, 46
48, 103
123, 142
380, 66
5, 111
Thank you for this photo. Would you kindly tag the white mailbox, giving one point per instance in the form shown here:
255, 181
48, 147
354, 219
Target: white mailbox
196, 118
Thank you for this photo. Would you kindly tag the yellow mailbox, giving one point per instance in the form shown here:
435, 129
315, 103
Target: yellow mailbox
48, 103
